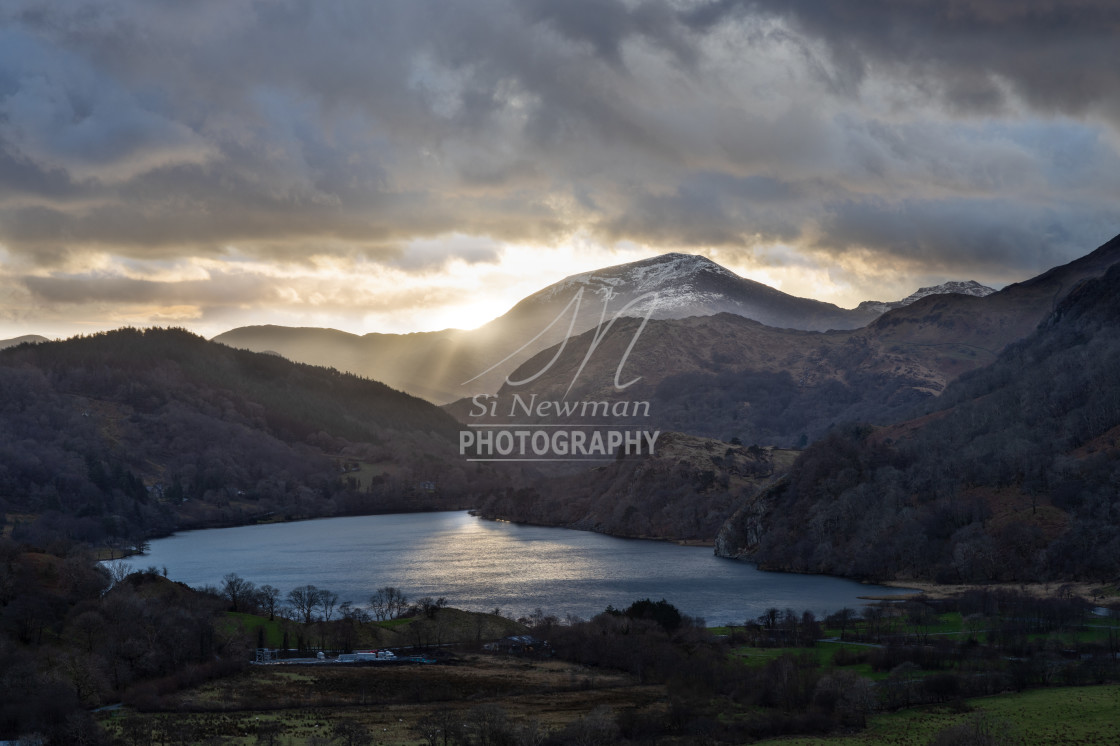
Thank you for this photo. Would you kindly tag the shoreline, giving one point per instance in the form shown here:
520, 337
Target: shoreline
1097, 593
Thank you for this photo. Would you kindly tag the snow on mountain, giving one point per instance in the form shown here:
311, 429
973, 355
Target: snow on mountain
688, 285
682, 282
691, 285
969, 287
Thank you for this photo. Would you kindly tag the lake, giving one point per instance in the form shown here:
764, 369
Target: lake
482, 565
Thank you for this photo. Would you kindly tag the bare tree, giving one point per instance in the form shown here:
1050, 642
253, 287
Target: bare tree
304, 601
351, 733
118, 571
326, 601
267, 596
441, 727
849, 696
388, 603
238, 590
378, 605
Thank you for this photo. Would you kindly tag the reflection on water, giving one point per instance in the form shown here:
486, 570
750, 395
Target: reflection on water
482, 565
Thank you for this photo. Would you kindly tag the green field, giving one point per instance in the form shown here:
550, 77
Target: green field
1085, 716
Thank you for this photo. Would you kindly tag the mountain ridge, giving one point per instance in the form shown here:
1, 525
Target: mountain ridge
1007, 478
446, 365
960, 287
116, 436
726, 376
25, 339
735, 380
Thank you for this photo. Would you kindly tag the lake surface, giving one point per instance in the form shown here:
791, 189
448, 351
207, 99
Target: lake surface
482, 565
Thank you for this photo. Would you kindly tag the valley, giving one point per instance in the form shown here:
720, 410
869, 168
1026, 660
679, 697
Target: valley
965, 443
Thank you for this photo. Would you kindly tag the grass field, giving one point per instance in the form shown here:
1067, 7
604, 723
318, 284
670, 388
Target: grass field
1074, 716
388, 700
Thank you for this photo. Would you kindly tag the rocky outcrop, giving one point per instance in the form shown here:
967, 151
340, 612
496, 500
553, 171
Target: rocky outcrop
741, 534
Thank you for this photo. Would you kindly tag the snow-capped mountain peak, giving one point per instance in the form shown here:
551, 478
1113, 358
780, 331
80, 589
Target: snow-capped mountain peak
963, 287
686, 285
667, 272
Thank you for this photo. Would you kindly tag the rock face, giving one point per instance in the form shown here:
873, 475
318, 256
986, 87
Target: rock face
742, 533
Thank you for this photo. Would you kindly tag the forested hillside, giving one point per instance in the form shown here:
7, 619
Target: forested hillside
1011, 475
684, 491
118, 436
72, 639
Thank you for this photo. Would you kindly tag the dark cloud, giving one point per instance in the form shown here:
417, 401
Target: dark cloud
82, 289
987, 236
1059, 56
712, 209
367, 130
605, 24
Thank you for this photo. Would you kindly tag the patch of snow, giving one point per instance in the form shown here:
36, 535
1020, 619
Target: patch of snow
968, 287
673, 275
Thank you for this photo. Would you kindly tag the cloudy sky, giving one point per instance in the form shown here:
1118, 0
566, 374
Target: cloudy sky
399, 166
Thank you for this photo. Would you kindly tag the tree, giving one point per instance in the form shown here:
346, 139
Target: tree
441, 727
429, 606
848, 696
269, 732
118, 571
304, 601
267, 596
326, 601
841, 619
662, 612
351, 733
489, 724
238, 590
378, 604
388, 603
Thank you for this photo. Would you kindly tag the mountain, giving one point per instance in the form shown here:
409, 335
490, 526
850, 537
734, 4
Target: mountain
27, 338
117, 436
725, 376
447, 365
426, 364
1009, 476
970, 287
685, 285
738, 381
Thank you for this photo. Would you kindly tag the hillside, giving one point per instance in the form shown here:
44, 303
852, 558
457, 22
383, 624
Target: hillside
683, 492
725, 376
118, 436
686, 285
970, 287
27, 338
1010, 475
